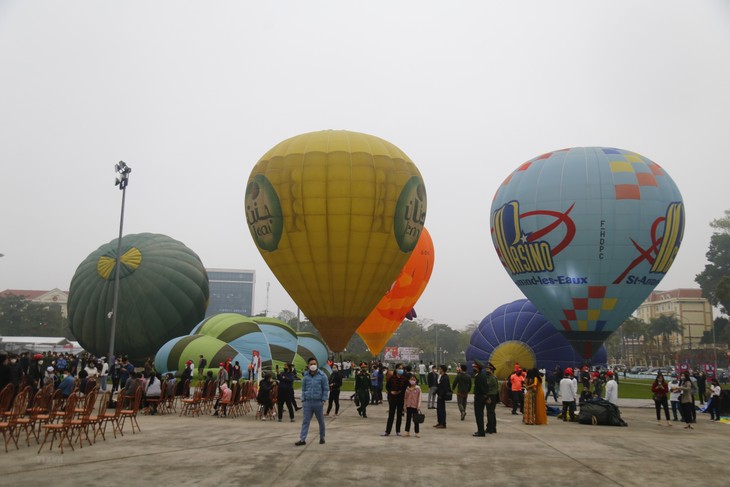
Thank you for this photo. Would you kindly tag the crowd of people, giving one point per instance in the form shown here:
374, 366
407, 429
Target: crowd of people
525, 391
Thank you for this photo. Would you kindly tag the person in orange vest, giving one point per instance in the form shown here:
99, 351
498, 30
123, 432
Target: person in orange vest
516, 380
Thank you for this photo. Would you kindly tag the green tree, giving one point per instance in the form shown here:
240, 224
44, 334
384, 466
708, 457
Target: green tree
664, 326
633, 343
714, 280
21, 317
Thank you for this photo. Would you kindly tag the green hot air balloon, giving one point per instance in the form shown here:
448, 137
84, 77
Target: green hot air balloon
163, 293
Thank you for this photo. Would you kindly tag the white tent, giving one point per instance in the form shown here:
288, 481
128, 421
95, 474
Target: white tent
39, 344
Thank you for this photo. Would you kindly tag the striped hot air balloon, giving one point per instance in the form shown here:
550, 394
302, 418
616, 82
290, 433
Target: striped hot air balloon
163, 292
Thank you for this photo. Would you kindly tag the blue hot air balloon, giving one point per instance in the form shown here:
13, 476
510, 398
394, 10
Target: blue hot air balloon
516, 332
587, 233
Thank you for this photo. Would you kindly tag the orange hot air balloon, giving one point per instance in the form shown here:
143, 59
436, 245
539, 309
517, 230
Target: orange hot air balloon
387, 316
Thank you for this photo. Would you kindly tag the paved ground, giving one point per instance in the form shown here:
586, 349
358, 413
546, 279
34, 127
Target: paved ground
242, 451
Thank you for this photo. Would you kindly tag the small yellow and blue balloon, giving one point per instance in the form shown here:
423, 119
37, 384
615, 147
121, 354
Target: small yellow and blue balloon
335, 215
398, 302
586, 233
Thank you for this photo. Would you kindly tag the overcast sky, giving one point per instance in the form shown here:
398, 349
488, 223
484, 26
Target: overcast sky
192, 94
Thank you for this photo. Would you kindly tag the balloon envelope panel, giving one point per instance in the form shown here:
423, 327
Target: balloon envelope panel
163, 291
389, 313
518, 332
586, 234
225, 335
335, 215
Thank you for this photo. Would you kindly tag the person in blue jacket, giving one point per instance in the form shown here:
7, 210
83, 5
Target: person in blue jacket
315, 389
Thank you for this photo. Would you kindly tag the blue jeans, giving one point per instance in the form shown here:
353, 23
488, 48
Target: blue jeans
676, 406
312, 408
714, 407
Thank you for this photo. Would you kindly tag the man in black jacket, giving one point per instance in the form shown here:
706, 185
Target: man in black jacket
335, 385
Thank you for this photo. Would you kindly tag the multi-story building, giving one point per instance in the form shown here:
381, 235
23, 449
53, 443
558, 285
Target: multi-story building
692, 310
231, 291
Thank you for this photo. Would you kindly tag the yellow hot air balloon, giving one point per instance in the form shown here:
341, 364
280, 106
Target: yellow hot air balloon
335, 215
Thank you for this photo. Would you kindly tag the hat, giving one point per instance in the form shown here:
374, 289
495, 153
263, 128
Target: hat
609, 374
568, 371
188, 362
491, 366
49, 369
479, 363
363, 364
37, 356
221, 364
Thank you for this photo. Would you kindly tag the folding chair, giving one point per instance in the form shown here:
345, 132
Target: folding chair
81, 424
192, 405
61, 429
112, 418
131, 413
94, 420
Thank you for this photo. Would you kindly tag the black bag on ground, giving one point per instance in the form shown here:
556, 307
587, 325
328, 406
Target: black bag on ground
600, 412
419, 417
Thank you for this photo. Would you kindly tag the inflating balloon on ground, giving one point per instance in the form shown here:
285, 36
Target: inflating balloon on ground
586, 234
517, 333
335, 215
163, 292
231, 335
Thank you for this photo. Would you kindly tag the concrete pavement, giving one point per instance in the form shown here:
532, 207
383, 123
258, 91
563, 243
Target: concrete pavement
207, 450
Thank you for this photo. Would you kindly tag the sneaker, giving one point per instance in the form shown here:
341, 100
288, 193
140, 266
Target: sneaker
327, 415
406, 434
321, 441
417, 435
280, 420
292, 420
441, 426
300, 443
385, 434
463, 415
397, 434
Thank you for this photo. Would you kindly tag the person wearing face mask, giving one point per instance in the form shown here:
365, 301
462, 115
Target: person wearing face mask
362, 389
36, 370
413, 403
285, 392
443, 391
396, 388
660, 391
335, 383
315, 389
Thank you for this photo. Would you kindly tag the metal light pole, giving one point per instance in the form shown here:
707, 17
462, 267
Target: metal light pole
122, 179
